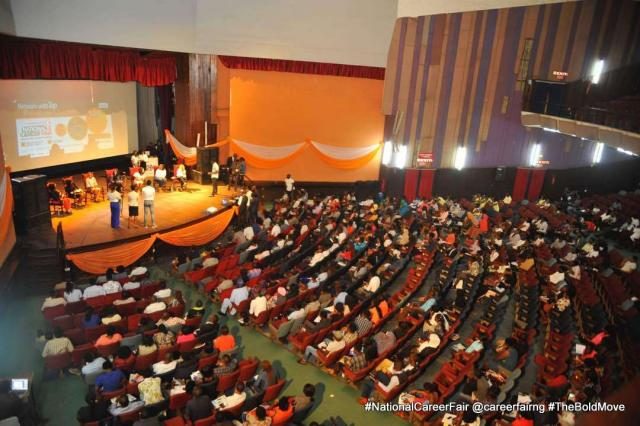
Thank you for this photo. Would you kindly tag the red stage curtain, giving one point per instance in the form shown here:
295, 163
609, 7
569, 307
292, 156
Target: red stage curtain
535, 185
520, 184
302, 67
411, 184
425, 189
30, 59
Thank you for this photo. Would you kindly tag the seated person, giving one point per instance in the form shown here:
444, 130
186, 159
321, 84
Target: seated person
199, 406
111, 380
97, 408
125, 299
327, 345
52, 300
147, 346
91, 319
224, 402
224, 366
109, 315
122, 405
164, 338
94, 290
92, 364
386, 380
170, 321
72, 294
110, 337
168, 364
225, 341
186, 335
282, 412
124, 359
58, 345
181, 175
156, 306
160, 176
91, 184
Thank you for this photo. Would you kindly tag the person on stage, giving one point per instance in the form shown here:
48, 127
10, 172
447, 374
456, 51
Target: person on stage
215, 174
92, 185
133, 198
161, 176
242, 170
148, 197
181, 175
114, 198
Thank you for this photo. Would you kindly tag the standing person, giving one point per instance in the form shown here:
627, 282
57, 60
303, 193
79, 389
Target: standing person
289, 186
133, 198
235, 170
242, 170
114, 198
135, 159
215, 174
148, 197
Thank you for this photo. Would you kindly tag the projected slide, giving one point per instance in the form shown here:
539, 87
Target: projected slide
46, 123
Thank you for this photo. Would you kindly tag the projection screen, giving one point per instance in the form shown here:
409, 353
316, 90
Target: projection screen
50, 122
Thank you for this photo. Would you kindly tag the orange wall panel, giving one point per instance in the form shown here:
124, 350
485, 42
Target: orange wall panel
276, 108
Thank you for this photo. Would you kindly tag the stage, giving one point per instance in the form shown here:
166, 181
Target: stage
92, 224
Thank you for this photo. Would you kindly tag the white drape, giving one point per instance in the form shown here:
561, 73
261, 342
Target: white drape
344, 153
184, 150
268, 152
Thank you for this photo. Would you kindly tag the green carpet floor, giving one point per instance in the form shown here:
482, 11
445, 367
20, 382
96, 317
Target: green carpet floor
59, 399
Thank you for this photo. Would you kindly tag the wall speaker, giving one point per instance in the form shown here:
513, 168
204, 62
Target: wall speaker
500, 173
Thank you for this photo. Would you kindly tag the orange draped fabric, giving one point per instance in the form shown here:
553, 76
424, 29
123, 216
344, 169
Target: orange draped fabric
354, 163
191, 160
98, 261
200, 233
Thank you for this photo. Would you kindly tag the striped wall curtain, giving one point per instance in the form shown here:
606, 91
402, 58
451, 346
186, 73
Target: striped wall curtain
457, 79
147, 120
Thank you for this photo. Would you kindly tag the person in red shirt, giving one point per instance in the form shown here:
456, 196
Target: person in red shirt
186, 335
225, 341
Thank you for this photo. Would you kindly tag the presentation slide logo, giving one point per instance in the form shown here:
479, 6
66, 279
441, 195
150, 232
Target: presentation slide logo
37, 137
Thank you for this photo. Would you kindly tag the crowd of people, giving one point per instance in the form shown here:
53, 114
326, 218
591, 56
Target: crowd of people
321, 266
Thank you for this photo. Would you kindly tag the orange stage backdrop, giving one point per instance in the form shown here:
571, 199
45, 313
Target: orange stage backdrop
277, 108
98, 261
7, 232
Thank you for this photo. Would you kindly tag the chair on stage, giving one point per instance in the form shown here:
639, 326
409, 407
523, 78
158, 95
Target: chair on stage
111, 175
175, 181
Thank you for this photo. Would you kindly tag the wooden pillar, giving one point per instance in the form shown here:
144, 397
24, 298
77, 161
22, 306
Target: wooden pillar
195, 96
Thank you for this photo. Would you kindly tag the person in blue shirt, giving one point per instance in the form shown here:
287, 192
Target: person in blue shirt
91, 319
111, 379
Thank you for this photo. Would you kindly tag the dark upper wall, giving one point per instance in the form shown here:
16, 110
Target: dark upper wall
457, 79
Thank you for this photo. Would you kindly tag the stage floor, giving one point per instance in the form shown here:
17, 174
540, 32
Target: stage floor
92, 224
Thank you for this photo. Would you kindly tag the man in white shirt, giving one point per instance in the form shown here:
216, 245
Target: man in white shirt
238, 295
149, 195
258, 305
373, 285
112, 287
429, 345
131, 285
275, 230
210, 261
138, 272
52, 300
288, 186
248, 233
93, 291
155, 307
225, 402
161, 175
92, 365
215, 175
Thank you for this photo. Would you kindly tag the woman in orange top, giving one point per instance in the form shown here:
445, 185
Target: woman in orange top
109, 337
281, 413
225, 341
375, 315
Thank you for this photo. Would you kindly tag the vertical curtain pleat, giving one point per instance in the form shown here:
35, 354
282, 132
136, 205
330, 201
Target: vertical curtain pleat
520, 184
147, 121
425, 188
28, 59
535, 185
411, 184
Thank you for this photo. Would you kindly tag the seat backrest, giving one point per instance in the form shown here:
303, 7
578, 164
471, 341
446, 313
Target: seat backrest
207, 421
144, 362
227, 381
131, 341
272, 392
57, 362
247, 369
178, 400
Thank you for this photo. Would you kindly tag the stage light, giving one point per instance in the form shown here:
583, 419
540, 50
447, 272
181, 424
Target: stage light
596, 71
460, 158
597, 152
387, 153
400, 157
534, 155
546, 129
